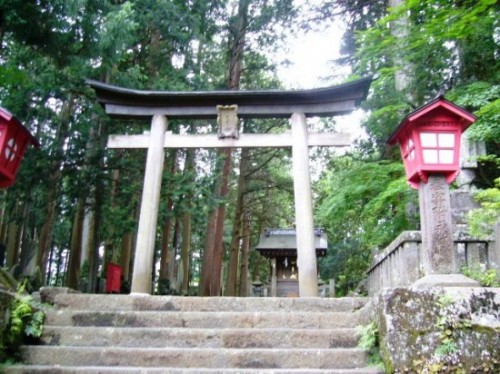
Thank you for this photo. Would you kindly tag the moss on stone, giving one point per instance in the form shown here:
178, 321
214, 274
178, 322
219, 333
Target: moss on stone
435, 331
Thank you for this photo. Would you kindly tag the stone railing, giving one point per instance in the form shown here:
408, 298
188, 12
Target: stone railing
399, 264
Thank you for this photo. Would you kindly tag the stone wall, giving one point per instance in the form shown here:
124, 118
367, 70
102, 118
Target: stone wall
400, 263
439, 330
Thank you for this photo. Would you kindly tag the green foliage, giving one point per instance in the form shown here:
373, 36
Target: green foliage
483, 220
22, 322
483, 99
431, 45
370, 341
362, 206
448, 347
487, 278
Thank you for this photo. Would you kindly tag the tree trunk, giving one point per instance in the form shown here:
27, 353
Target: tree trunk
166, 256
232, 275
186, 225
219, 226
214, 251
186, 246
24, 242
47, 272
245, 250
12, 244
237, 31
110, 252
208, 256
400, 30
175, 243
96, 202
126, 254
75, 254
53, 185
3, 230
92, 247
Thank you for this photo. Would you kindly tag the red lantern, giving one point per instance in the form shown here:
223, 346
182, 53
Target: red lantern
14, 138
429, 139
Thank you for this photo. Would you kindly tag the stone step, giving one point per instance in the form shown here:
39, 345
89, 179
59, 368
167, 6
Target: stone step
212, 304
56, 369
195, 320
201, 338
252, 358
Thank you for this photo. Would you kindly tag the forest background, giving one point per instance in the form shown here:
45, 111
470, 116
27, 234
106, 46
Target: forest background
74, 207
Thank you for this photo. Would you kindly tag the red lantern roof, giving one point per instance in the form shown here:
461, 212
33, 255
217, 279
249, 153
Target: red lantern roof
439, 104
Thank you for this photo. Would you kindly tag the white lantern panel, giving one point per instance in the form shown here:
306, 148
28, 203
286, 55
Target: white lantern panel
430, 156
446, 140
428, 139
446, 156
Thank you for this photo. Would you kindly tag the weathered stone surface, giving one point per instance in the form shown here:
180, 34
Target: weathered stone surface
438, 256
56, 369
49, 294
206, 304
119, 333
461, 203
192, 357
449, 328
298, 320
203, 338
446, 280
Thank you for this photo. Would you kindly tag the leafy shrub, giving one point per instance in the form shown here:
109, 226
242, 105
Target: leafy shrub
22, 323
369, 340
483, 220
486, 278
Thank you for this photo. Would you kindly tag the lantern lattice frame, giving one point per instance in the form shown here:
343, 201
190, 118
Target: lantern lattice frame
14, 139
429, 140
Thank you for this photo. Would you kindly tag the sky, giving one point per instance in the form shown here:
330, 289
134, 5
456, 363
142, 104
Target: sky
311, 55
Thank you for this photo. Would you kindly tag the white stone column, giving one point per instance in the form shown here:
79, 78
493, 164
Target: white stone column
306, 253
144, 251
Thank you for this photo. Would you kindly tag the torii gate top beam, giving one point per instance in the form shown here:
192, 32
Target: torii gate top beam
122, 102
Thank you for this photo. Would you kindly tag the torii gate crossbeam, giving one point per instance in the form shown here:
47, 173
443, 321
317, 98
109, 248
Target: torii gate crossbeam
297, 105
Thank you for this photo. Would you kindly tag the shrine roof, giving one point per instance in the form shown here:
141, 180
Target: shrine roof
328, 101
274, 241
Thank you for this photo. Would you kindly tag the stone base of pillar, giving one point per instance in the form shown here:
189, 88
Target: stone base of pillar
445, 280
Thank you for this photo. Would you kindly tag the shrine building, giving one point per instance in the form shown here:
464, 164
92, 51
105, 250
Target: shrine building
280, 246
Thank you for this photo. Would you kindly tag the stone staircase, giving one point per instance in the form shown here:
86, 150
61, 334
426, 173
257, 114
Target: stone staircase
162, 334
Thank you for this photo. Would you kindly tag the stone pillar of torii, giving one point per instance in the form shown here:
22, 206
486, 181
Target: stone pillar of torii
159, 105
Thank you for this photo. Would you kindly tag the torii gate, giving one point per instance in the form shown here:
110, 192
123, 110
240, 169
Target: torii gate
297, 105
